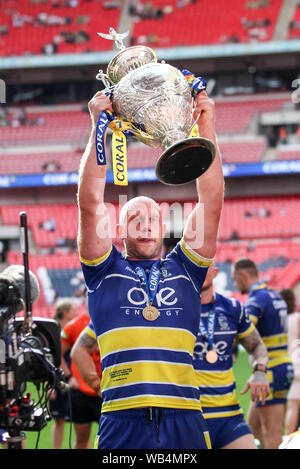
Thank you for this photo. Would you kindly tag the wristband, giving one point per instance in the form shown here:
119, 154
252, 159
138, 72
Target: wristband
260, 367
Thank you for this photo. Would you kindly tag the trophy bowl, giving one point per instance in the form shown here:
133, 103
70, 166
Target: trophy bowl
156, 99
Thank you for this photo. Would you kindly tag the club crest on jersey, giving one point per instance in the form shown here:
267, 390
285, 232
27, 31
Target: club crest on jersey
165, 273
223, 321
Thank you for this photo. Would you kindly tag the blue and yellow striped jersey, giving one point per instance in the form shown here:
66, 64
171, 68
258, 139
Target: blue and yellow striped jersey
268, 311
146, 363
216, 380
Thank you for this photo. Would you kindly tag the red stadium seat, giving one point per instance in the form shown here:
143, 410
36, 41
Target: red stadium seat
30, 37
191, 24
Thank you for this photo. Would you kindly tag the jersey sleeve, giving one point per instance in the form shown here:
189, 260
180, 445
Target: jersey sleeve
254, 308
94, 270
195, 265
245, 325
89, 330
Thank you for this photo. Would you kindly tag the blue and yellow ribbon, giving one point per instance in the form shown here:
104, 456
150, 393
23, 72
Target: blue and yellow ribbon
197, 84
122, 129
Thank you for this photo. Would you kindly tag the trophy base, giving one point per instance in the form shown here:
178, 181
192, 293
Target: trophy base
185, 161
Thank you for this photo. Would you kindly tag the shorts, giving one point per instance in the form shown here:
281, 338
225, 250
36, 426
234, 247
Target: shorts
84, 408
225, 430
59, 407
280, 379
153, 428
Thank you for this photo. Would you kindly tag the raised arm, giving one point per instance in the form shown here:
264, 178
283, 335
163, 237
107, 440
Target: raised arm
94, 237
201, 231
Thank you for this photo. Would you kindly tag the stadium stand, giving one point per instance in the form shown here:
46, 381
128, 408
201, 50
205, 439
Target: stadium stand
37, 139
62, 126
48, 125
288, 153
48, 27
264, 228
189, 23
278, 263
32, 163
242, 219
294, 27
71, 26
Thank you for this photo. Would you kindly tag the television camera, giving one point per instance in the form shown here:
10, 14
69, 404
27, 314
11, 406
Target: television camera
30, 351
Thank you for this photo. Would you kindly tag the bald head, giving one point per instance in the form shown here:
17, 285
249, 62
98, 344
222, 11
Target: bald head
141, 203
141, 228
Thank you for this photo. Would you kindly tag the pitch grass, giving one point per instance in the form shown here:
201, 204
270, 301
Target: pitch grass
43, 440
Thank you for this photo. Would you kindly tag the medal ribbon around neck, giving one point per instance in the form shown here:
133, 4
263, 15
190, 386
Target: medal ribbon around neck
209, 333
151, 283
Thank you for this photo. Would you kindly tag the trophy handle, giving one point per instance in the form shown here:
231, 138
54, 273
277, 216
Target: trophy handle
101, 76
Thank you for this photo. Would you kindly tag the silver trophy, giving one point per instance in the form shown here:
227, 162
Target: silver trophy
156, 99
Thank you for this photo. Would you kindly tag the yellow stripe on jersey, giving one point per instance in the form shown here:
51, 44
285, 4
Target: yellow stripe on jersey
254, 319
146, 337
215, 378
96, 262
279, 360
260, 287
133, 373
90, 332
157, 372
277, 340
222, 400
151, 401
242, 335
194, 256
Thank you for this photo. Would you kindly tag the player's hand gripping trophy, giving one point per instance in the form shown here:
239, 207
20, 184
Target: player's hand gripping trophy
154, 102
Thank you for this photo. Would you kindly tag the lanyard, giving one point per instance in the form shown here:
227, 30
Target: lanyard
151, 283
209, 333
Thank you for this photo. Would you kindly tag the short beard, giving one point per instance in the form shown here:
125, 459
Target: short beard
142, 255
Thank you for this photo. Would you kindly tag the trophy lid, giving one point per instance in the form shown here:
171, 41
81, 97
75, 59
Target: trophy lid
128, 59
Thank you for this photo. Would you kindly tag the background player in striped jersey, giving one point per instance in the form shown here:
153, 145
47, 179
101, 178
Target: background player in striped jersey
223, 320
268, 311
149, 389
